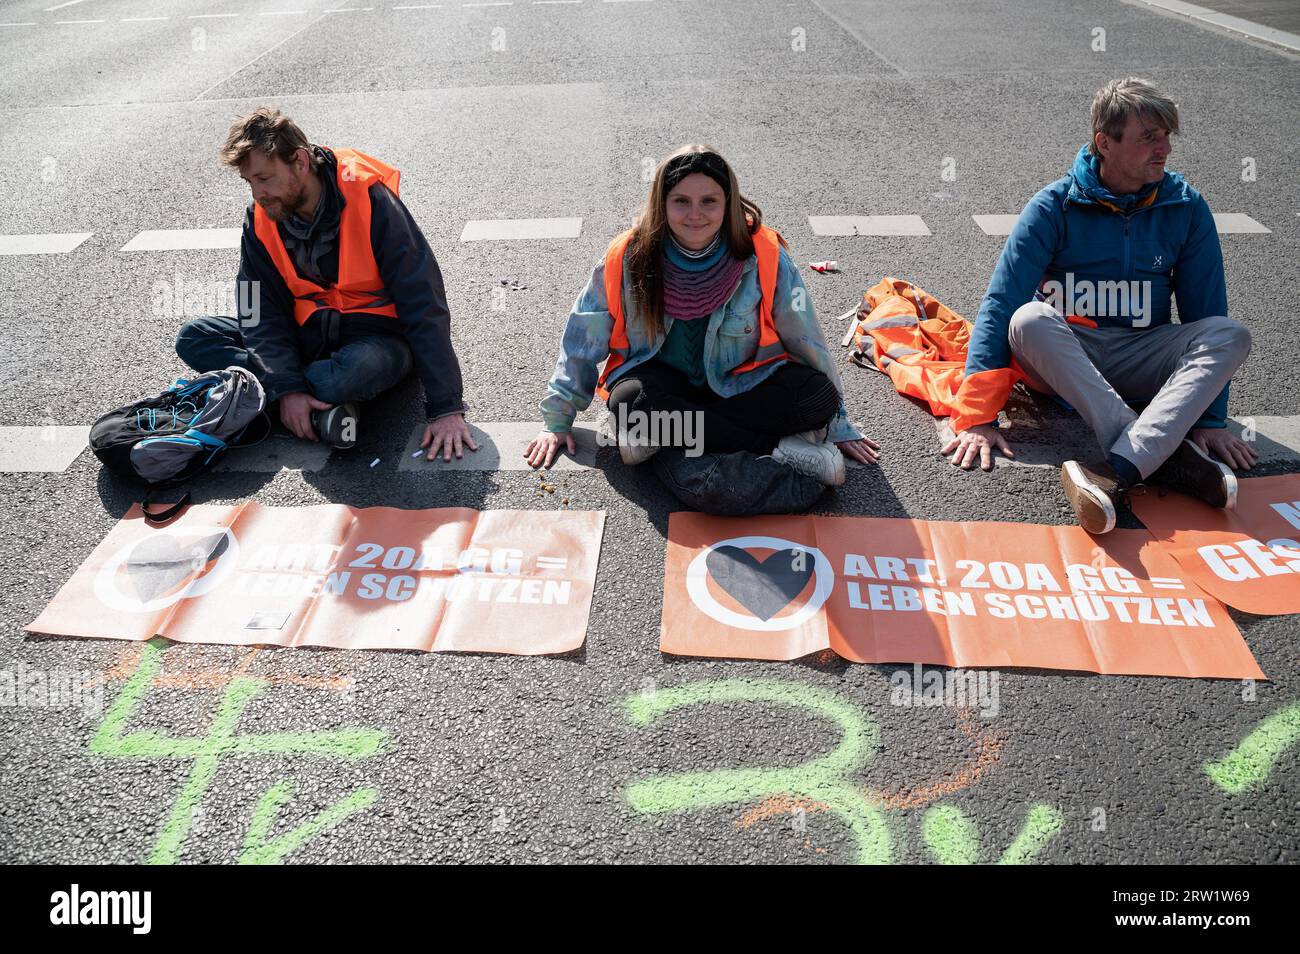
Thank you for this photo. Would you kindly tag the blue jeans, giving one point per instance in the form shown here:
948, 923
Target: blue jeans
360, 369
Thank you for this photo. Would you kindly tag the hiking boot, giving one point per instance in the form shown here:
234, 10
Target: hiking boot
1095, 494
1191, 471
336, 427
811, 454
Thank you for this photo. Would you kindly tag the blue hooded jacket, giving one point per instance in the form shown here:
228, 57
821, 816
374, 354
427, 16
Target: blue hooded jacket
1075, 234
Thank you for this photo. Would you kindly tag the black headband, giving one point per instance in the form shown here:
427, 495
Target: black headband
709, 163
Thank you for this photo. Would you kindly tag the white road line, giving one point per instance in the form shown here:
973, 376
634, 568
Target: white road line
211, 16
297, 32
55, 243
500, 447
420, 6
348, 9
162, 240
278, 452
280, 13
1273, 438
507, 4
28, 23
47, 449
836, 225
996, 224
509, 230
67, 22
60, 6
141, 19
541, 2
1236, 24
1238, 222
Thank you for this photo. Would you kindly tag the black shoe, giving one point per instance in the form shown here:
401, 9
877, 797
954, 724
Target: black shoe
1190, 470
1095, 493
336, 427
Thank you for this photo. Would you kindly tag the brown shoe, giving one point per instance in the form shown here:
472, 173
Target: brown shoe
1190, 471
1095, 494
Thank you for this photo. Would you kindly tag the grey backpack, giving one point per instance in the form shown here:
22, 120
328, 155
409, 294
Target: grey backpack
170, 437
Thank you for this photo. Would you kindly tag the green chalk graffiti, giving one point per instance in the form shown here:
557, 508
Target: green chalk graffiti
825, 780
1248, 766
258, 851
221, 742
950, 836
952, 840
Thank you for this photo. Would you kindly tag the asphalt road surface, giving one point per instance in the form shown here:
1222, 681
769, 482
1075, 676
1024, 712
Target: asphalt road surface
113, 111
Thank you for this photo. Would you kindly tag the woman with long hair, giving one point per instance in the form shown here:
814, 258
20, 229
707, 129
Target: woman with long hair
710, 346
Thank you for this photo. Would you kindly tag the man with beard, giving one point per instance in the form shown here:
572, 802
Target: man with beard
340, 293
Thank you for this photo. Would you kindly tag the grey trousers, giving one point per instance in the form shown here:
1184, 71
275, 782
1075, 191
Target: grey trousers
1179, 369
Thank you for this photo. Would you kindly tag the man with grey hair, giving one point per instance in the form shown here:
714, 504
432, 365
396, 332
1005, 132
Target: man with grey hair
1079, 308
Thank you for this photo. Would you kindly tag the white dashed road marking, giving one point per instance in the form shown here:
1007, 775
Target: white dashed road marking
162, 240
500, 447
1232, 222
47, 449
49, 244
837, 225
996, 224
508, 230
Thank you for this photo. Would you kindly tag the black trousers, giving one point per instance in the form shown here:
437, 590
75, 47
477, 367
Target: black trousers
793, 398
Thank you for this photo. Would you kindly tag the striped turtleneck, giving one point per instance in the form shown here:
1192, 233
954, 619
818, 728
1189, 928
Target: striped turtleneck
697, 283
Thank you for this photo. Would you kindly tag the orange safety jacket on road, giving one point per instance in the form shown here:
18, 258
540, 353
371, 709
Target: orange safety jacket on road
921, 345
767, 247
359, 287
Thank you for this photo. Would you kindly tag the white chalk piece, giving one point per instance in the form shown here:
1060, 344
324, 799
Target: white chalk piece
374, 462
853, 326
421, 451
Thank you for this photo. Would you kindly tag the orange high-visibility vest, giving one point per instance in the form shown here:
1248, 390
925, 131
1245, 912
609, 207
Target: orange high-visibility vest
359, 287
767, 246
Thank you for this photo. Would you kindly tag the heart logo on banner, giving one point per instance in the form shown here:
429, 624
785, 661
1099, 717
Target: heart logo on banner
764, 587
159, 563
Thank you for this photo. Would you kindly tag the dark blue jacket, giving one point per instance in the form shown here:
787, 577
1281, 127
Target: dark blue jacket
1163, 235
411, 279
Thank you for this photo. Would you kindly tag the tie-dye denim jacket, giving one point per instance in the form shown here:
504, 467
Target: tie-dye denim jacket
731, 339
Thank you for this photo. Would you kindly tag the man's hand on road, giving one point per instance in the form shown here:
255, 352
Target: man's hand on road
1222, 443
296, 410
448, 433
977, 442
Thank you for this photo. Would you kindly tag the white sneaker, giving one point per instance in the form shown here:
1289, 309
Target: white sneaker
631, 454
636, 453
811, 454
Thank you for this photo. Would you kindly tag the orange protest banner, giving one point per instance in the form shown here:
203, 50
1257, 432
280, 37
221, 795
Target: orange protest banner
453, 579
955, 594
1248, 557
